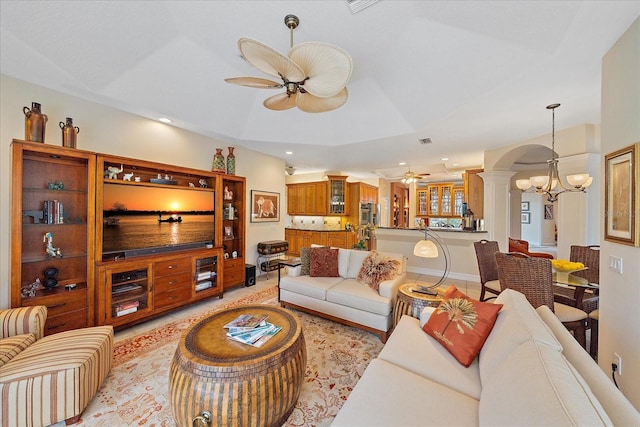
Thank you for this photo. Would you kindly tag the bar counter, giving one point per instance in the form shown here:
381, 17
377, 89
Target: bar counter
462, 263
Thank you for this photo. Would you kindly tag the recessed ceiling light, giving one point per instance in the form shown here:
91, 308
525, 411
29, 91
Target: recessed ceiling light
288, 152
444, 159
402, 164
456, 164
164, 120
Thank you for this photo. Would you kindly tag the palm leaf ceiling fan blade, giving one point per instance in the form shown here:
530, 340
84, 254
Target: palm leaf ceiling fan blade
280, 102
255, 82
313, 104
314, 74
269, 60
326, 66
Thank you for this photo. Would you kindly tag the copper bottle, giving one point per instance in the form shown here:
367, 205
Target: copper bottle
34, 123
69, 133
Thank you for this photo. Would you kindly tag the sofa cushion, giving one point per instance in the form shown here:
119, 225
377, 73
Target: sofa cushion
351, 293
547, 392
428, 358
314, 287
618, 408
305, 261
462, 324
388, 395
344, 255
12, 346
324, 262
356, 258
517, 323
376, 268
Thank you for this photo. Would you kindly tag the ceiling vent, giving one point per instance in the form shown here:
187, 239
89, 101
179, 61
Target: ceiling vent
425, 141
357, 5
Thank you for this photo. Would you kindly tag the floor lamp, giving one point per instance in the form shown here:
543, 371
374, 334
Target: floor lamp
428, 248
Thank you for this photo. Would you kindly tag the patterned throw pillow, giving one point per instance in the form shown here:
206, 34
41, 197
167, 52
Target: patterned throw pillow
376, 268
324, 262
462, 324
305, 260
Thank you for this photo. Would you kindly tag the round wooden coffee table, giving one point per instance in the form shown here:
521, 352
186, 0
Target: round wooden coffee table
238, 384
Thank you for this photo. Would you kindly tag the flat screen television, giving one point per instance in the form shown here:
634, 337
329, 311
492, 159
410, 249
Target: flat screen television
140, 220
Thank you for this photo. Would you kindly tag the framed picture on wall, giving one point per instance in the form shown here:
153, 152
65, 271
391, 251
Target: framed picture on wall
265, 206
525, 217
622, 196
548, 211
524, 206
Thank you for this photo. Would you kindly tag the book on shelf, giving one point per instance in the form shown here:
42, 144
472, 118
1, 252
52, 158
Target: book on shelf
127, 311
204, 285
53, 212
246, 322
205, 275
255, 337
127, 305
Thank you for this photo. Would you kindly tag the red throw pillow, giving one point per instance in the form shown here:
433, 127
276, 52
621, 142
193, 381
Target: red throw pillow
462, 324
323, 262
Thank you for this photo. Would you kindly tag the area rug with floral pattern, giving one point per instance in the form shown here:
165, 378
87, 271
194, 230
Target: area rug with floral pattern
136, 391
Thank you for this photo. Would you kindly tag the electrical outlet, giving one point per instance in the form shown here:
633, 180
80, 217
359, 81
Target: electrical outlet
615, 264
618, 361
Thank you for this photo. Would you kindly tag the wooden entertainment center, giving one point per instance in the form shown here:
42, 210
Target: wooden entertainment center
58, 223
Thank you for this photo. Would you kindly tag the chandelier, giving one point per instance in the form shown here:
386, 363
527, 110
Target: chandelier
546, 184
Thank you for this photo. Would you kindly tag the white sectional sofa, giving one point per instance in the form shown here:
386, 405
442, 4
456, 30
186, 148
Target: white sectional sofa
344, 299
530, 371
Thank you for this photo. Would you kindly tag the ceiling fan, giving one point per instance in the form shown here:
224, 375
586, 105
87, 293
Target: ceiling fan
410, 176
314, 74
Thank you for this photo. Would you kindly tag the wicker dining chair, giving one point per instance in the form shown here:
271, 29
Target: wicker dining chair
533, 277
485, 254
586, 300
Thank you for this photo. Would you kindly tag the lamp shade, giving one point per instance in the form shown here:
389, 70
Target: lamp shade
539, 181
578, 180
425, 249
523, 184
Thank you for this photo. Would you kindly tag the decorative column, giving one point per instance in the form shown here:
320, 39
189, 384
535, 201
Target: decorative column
497, 185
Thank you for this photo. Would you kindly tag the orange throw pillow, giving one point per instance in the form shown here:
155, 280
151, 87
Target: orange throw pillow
462, 324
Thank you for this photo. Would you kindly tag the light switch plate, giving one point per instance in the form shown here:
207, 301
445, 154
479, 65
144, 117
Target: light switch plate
615, 264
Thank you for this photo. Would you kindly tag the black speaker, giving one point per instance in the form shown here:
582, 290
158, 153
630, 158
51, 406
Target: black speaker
249, 275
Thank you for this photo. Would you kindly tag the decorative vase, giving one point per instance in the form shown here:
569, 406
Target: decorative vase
218, 161
34, 123
231, 162
69, 133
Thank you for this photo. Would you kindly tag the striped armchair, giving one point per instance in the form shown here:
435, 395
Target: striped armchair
45, 380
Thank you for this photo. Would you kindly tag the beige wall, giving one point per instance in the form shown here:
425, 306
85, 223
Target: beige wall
620, 294
107, 130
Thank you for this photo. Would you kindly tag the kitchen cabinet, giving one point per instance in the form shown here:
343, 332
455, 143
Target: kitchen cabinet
305, 238
338, 197
474, 191
440, 199
309, 198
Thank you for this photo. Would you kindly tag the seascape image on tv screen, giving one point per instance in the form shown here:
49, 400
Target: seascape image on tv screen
139, 217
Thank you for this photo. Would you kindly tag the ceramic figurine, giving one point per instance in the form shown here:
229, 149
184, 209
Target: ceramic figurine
127, 176
113, 171
30, 290
51, 251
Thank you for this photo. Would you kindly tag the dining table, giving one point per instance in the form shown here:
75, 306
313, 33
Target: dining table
580, 284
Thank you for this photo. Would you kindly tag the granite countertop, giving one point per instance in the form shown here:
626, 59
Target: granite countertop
314, 229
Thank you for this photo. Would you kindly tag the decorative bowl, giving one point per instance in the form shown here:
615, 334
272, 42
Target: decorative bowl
563, 268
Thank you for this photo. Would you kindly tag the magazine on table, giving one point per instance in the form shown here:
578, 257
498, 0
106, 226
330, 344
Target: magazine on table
256, 336
246, 322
